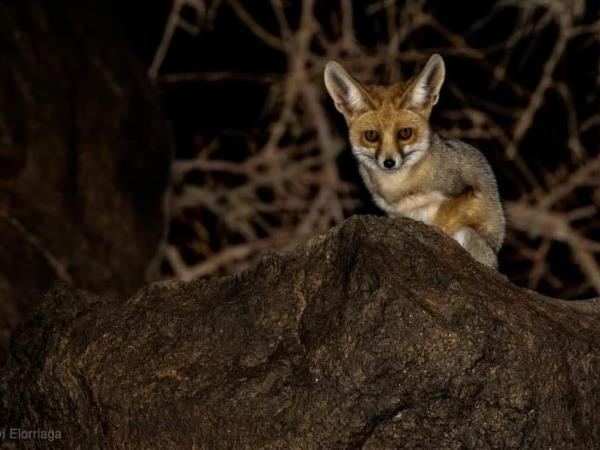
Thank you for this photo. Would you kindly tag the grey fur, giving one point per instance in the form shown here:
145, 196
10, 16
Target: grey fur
479, 248
461, 166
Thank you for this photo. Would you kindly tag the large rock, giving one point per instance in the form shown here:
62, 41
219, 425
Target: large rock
84, 155
382, 334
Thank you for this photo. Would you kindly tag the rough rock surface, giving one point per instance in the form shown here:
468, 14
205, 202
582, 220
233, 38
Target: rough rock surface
381, 334
84, 155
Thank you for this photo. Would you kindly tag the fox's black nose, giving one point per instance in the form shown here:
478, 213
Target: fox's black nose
389, 163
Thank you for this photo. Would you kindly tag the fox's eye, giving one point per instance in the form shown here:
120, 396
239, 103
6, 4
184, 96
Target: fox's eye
404, 133
371, 135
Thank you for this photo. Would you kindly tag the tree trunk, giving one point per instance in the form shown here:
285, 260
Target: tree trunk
84, 155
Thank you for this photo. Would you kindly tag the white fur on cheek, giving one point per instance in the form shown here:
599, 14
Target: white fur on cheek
364, 156
419, 148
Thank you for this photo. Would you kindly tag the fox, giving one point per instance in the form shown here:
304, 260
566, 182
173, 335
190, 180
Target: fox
411, 170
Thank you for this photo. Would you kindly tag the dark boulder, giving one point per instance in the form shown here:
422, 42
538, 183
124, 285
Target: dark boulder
84, 155
382, 334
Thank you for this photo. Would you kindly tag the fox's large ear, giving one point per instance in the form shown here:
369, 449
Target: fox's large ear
424, 91
349, 96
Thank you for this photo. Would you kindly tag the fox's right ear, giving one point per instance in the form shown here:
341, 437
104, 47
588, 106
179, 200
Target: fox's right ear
424, 91
349, 96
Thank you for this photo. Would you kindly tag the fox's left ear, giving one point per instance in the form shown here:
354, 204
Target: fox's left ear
424, 91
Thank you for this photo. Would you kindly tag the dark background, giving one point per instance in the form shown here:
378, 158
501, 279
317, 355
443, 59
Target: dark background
86, 164
497, 55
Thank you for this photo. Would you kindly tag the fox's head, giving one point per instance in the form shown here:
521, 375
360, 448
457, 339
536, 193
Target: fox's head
388, 125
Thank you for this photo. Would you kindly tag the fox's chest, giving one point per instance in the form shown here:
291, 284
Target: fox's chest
423, 207
400, 195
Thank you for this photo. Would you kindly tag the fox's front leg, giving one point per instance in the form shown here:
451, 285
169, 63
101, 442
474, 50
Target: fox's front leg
467, 209
462, 218
477, 246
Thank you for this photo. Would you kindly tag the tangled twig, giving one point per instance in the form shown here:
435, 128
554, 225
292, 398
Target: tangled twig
289, 185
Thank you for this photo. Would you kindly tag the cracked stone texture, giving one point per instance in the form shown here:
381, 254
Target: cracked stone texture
381, 334
84, 155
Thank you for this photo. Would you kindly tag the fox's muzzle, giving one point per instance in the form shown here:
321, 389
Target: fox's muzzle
389, 161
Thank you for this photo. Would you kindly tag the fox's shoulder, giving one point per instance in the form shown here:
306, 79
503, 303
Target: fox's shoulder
468, 162
456, 146
461, 152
